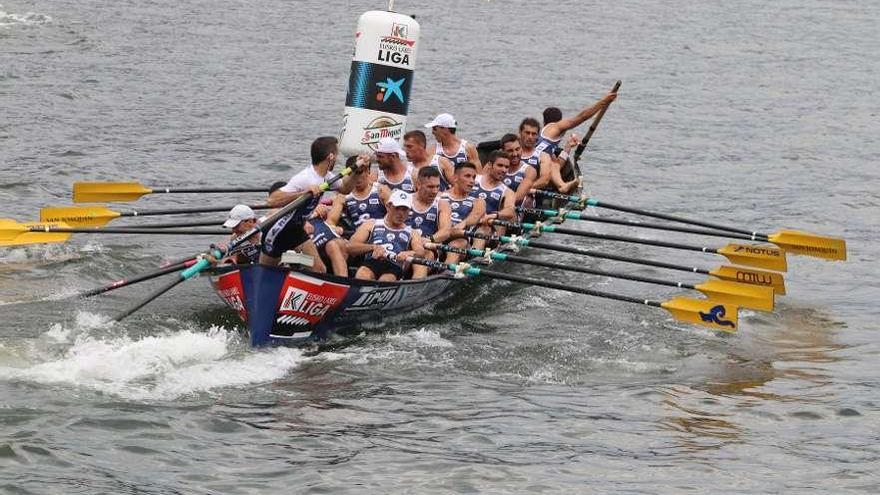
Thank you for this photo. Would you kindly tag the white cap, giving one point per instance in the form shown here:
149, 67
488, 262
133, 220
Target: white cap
388, 145
401, 198
442, 120
238, 214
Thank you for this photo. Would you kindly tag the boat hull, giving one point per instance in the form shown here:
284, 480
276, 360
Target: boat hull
283, 306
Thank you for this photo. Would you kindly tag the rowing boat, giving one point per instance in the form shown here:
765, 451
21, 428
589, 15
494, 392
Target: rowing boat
289, 306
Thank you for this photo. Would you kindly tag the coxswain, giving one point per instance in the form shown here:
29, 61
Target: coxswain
555, 127
415, 143
394, 171
241, 219
429, 215
365, 201
387, 242
465, 209
288, 232
450, 146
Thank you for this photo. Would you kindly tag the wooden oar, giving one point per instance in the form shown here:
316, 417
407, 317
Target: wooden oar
629, 223
598, 118
710, 313
13, 233
203, 261
98, 216
767, 257
793, 241
98, 192
743, 295
732, 273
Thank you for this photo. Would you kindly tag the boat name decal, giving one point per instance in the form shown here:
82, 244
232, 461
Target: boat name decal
372, 297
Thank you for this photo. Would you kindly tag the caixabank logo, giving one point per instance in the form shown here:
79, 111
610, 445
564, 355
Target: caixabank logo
379, 87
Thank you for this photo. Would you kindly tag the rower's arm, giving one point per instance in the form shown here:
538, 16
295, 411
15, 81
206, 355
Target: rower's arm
546, 166
348, 182
444, 222
508, 208
447, 169
557, 129
384, 194
476, 213
473, 156
358, 244
335, 213
280, 198
527, 183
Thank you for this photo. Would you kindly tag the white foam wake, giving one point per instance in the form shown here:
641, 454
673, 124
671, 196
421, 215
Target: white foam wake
28, 19
160, 367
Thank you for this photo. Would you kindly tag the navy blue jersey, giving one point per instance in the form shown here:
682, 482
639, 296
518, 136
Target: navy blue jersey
394, 241
425, 221
513, 180
459, 208
547, 145
532, 160
460, 156
404, 184
491, 196
359, 210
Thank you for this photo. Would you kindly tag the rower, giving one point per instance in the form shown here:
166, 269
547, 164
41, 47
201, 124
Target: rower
415, 143
465, 209
366, 201
394, 171
550, 136
519, 169
287, 232
387, 242
429, 215
450, 146
500, 199
329, 243
241, 219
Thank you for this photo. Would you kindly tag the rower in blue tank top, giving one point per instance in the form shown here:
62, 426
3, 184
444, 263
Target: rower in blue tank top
547, 145
387, 241
491, 194
459, 206
405, 183
425, 220
435, 163
394, 171
444, 127
358, 208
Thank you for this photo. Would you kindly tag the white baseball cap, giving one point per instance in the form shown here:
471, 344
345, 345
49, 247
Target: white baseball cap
238, 214
401, 198
442, 120
388, 145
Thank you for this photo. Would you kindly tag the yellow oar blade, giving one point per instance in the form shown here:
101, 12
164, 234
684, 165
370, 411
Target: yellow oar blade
96, 192
78, 216
817, 246
749, 276
712, 314
742, 295
763, 256
13, 233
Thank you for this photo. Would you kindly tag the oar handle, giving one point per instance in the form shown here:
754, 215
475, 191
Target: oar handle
583, 144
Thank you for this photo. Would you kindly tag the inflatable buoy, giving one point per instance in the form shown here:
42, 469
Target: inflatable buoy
380, 81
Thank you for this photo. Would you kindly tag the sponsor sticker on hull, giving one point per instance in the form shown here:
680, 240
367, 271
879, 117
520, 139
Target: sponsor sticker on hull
229, 288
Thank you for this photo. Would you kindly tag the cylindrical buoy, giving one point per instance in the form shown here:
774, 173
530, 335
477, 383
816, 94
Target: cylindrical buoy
380, 81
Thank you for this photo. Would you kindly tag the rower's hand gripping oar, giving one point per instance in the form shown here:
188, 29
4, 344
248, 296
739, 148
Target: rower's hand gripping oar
586, 139
766, 257
743, 295
203, 261
709, 313
99, 192
793, 241
730, 273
